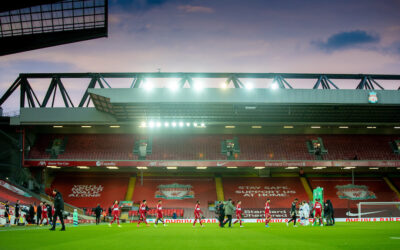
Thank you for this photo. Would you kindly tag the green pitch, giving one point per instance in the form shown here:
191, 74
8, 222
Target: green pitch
364, 235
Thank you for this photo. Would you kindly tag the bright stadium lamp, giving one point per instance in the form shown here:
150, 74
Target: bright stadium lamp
249, 86
143, 124
166, 124
181, 124
194, 124
274, 85
198, 86
158, 124
173, 124
148, 86
151, 124
188, 124
173, 86
224, 85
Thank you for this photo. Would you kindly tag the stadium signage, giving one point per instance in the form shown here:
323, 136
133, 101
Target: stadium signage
61, 163
372, 97
354, 192
174, 191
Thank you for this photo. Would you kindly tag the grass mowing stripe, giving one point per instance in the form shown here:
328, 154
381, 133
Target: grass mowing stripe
357, 235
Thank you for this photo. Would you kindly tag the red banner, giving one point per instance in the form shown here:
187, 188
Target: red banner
63, 163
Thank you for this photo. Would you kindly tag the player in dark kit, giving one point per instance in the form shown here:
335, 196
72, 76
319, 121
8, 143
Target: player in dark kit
17, 212
318, 212
239, 213
293, 213
7, 212
97, 212
142, 212
160, 216
197, 212
58, 210
267, 213
115, 213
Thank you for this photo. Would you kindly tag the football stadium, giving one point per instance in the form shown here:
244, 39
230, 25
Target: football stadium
190, 160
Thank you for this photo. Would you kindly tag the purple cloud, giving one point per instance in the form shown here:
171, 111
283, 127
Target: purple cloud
347, 40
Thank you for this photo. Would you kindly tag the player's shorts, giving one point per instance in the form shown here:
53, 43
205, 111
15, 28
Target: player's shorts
317, 213
159, 215
238, 216
267, 215
197, 216
44, 216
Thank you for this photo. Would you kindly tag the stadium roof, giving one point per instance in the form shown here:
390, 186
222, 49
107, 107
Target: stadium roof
28, 25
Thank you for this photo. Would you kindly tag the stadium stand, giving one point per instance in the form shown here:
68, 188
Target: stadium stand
361, 147
86, 191
208, 147
345, 196
253, 192
177, 193
11, 193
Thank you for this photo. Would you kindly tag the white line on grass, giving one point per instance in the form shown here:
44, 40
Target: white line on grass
395, 238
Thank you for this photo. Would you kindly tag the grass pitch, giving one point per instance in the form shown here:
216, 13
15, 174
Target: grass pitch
356, 235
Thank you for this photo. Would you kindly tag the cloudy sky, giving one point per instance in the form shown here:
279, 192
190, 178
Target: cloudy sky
311, 36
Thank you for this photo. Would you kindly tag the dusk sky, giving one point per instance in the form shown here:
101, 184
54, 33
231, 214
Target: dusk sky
310, 36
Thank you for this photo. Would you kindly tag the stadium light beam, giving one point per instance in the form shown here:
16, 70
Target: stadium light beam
181, 124
173, 124
166, 124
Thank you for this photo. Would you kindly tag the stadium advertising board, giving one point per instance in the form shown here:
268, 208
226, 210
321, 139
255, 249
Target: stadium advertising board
62, 163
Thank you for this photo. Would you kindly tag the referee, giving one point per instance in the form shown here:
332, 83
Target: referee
293, 213
59, 207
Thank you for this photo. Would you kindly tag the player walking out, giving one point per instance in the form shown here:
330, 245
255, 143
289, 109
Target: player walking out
239, 213
293, 213
44, 214
267, 213
197, 212
159, 214
17, 213
143, 212
318, 211
7, 212
115, 213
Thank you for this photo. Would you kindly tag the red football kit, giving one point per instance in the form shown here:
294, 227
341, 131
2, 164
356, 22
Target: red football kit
159, 211
318, 209
44, 215
142, 213
115, 213
197, 212
238, 214
267, 213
